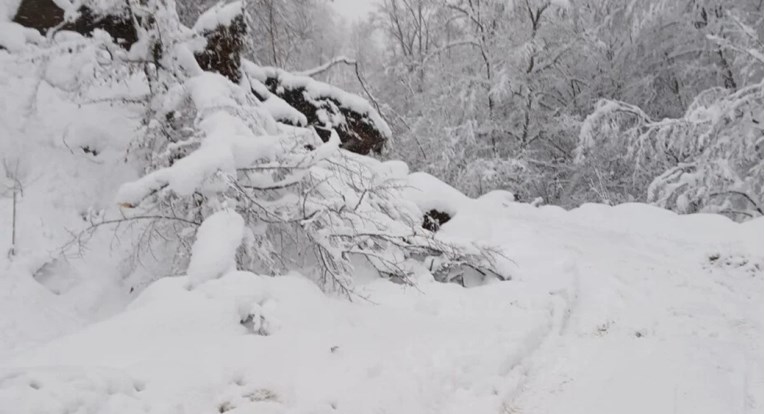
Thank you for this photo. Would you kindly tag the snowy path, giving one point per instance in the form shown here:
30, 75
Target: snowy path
612, 310
657, 321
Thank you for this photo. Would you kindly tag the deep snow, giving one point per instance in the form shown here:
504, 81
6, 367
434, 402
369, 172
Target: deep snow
627, 309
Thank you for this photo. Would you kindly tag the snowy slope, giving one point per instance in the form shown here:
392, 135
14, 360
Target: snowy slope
627, 309
65, 137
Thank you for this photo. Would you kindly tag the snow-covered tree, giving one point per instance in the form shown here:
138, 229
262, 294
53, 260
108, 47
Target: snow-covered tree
212, 145
505, 83
708, 161
255, 156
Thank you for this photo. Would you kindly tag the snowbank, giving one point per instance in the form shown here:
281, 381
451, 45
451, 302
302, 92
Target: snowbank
190, 350
430, 193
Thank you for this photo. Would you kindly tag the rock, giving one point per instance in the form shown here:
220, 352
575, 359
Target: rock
357, 131
434, 219
224, 28
45, 15
224, 48
39, 14
119, 25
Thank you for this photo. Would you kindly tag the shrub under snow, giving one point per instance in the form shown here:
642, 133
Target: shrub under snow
218, 162
710, 160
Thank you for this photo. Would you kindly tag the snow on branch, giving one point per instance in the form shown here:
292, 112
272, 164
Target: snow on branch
707, 161
327, 66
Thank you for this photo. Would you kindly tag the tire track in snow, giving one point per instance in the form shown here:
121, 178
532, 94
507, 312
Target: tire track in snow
563, 302
638, 286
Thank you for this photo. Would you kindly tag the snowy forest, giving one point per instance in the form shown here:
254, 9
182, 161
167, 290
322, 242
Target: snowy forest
496, 95
490, 95
442, 206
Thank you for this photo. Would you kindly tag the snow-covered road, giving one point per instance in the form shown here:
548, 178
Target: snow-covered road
661, 316
612, 310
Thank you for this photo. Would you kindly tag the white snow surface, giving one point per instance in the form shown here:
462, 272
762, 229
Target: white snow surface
214, 250
8, 9
219, 15
14, 37
627, 309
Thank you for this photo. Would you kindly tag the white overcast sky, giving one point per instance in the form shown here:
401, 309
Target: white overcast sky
354, 9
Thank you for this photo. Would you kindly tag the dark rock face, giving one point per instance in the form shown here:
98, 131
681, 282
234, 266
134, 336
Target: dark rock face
358, 133
39, 14
45, 15
119, 26
434, 219
224, 49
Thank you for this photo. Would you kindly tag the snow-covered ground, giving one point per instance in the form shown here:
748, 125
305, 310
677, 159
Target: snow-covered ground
627, 309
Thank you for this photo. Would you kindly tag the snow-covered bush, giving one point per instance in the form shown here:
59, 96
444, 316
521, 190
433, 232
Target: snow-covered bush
209, 145
305, 203
223, 154
708, 161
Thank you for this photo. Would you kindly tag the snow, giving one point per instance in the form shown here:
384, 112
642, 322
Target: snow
613, 309
282, 111
321, 352
276, 106
8, 9
48, 290
564, 4
214, 251
429, 193
219, 15
228, 143
14, 36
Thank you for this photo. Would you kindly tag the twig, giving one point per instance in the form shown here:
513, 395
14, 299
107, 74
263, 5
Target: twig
742, 194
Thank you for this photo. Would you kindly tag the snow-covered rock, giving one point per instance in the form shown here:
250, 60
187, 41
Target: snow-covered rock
360, 127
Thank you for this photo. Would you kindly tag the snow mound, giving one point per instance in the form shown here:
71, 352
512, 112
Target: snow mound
14, 37
196, 351
214, 250
430, 193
